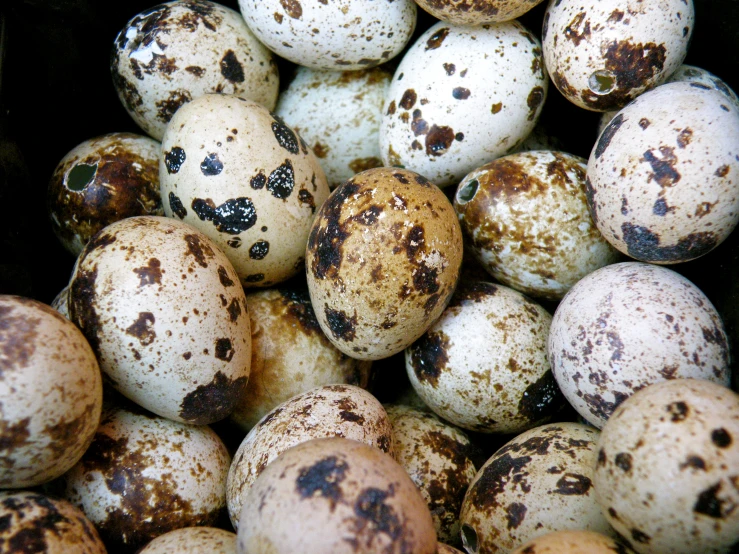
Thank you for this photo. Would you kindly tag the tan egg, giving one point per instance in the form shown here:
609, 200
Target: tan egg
289, 354
327, 411
477, 12
145, 475
193, 540
383, 258
162, 307
442, 548
34, 522
245, 179
574, 542
335, 496
540, 481
436, 455
51, 393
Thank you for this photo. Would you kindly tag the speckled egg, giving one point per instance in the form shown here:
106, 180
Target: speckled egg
327, 411
437, 456
51, 393
289, 354
539, 482
482, 365
163, 310
193, 540
663, 177
525, 217
453, 106
574, 542
145, 475
177, 51
382, 261
337, 35
61, 302
100, 181
34, 522
604, 54
477, 12
628, 325
335, 496
338, 114
246, 180
442, 548
668, 468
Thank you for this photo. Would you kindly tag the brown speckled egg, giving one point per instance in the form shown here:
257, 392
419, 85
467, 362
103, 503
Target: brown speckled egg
33, 522
145, 475
628, 325
61, 302
246, 180
100, 181
663, 178
482, 365
477, 12
163, 309
289, 354
574, 542
667, 476
193, 540
526, 220
436, 455
335, 496
51, 393
541, 481
327, 411
602, 55
177, 51
382, 261
442, 548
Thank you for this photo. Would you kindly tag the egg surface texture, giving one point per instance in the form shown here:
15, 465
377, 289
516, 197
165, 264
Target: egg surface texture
245, 179
477, 12
193, 540
573, 542
164, 312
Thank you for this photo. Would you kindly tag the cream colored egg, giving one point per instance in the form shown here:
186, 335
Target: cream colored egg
61, 302
574, 542
477, 12
193, 540
442, 548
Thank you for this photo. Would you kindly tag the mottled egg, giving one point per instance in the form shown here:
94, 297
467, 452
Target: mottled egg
539, 482
382, 261
327, 411
337, 35
335, 495
628, 325
245, 179
477, 12
164, 312
602, 55
663, 177
482, 365
525, 217
145, 475
177, 51
193, 540
61, 302
33, 522
443, 548
453, 106
51, 393
574, 542
100, 181
338, 115
668, 468
289, 354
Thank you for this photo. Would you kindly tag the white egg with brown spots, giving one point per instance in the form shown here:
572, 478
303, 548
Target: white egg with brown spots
574, 542
162, 308
193, 540
477, 12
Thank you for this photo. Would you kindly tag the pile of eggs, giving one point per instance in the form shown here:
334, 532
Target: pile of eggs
377, 307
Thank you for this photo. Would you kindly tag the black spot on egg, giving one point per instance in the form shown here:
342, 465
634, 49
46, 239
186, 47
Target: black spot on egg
573, 484
258, 181
515, 514
232, 217
211, 165
175, 204
259, 250
285, 136
607, 135
342, 326
143, 329
323, 479
174, 159
213, 401
721, 438
231, 68
541, 398
429, 358
643, 244
282, 180
371, 507
224, 350
624, 461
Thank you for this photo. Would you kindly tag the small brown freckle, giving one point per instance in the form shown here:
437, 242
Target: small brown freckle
187, 355
495, 108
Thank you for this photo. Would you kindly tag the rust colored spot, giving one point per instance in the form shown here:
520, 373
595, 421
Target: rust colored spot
722, 171
438, 140
534, 100
391, 108
616, 16
684, 137
495, 108
142, 328
150, 274
576, 31
199, 250
320, 149
292, 8
195, 70
278, 17
13, 436
408, 99
214, 401
429, 358
663, 168
437, 39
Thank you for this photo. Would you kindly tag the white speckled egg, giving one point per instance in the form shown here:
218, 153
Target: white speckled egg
628, 325
335, 35
573, 542
668, 468
164, 312
61, 302
663, 178
477, 12
193, 540
177, 51
525, 217
327, 411
462, 96
245, 179
51, 393
338, 114
602, 55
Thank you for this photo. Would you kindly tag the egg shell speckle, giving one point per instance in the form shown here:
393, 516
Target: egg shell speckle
477, 12
574, 542
193, 540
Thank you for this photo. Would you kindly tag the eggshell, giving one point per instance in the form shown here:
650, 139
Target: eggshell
477, 12
193, 540
442, 548
663, 178
668, 467
628, 325
51, 393
573, 542
382, 261
335, 495
163, 310
61, 302
245, 179
177, 51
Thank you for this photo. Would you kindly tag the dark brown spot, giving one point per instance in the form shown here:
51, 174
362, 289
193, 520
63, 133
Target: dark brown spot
342, 326
461, 93
643, 244
600, 407
223, 277
358, 165
678, 411
199, 249
494, 479
323, 479
721, 438
195, 70
541, 398
663, 168
640, 536
292, 8
371, 508
224, 350
623, 460
166, 108
573, 484
722, 171
684, 137
694, 462
437, 39
534, 101
214, 401
150, 274
143, 329
12, 436
515, 514
428, 357
709, 504
438, 140
231, 67
408, 99
495, 108
576, 31
450, 68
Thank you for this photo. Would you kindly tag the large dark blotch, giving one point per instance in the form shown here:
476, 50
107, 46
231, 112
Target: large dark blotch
82, 305
142, 328
342, 326
515, 514
709, 504
282, 180
494, 479
174, 159
435, 40
175, 204
322, 478
214, 401
300, 308
540, 399
37, 516
234, 216
284, 135
721, 438
231, 68
642, 244
408, 99
259, 250
534, 100
198, 249
573, 484
224, 350
663, 168
371, 506
150, 274
428, 357
438, 140
607, 135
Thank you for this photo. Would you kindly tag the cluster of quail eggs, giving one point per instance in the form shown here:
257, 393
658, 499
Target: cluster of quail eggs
377, 307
